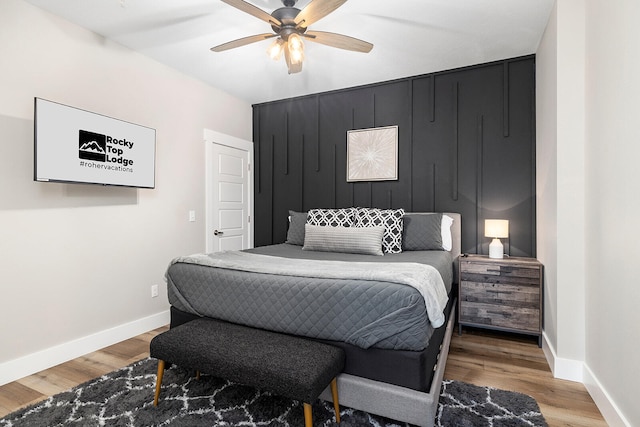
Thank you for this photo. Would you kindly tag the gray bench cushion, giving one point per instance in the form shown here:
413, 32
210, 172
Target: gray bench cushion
285, 365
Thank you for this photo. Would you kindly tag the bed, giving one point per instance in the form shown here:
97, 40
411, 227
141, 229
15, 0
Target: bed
395, 331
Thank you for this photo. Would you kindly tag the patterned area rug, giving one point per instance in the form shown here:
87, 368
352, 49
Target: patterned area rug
124, 398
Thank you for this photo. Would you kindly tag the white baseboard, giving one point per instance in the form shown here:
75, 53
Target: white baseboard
44, 359
565, 369
578, 371
605, 404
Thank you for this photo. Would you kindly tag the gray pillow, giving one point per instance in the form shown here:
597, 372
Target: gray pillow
422, 232
295, 233
362, 240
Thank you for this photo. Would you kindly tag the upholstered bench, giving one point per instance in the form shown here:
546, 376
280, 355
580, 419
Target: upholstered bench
282, 364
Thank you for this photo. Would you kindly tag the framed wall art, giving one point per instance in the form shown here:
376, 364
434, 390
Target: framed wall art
372, 154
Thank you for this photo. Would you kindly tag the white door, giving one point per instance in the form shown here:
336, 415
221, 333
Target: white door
229, 195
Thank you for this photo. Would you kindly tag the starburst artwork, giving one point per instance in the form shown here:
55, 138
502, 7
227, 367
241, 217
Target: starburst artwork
372, 154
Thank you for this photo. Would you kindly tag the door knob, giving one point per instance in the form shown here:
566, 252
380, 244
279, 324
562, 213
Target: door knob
217, 233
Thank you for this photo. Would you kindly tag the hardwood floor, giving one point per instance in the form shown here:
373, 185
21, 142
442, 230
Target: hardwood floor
41, 385
479, 357
514, 362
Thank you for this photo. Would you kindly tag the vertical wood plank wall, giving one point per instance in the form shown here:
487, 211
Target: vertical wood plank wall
466, 143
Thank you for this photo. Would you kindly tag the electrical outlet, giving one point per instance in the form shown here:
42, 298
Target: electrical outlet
154, 291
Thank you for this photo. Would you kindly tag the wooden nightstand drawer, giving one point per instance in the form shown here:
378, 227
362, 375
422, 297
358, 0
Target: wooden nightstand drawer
520, 319
510, 295
501, 294
491, 269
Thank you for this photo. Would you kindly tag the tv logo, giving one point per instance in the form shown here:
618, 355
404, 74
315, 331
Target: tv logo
93, 146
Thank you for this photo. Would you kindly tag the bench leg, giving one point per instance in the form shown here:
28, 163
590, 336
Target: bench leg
158, 381
334, 396
308, 418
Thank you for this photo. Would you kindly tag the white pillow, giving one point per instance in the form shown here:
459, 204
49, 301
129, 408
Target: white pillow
354, 240
445, 229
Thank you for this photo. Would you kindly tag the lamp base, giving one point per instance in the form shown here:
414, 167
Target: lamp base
496, 250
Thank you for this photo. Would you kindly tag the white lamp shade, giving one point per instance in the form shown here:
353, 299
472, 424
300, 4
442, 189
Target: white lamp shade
496, 228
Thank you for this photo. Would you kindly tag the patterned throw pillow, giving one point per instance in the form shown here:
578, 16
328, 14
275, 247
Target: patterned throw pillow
331, 217
391, 219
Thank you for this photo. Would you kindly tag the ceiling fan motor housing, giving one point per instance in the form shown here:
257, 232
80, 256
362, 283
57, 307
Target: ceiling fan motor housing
287, 16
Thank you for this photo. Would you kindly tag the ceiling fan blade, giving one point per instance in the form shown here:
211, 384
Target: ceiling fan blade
338, 40
255, 11
315, 11
243, 41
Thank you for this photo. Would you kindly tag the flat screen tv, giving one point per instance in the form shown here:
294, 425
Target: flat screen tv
77, 146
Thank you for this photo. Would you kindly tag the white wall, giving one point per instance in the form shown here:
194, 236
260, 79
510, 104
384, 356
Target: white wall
78, 261
547, 174
588, 148
560, 176
613, 201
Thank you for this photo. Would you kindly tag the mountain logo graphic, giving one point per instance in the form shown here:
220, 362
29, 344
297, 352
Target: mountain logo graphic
92, 146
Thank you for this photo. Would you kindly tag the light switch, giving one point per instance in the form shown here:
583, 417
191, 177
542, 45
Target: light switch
192, 216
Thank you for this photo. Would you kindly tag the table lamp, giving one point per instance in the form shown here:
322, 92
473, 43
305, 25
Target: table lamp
496, 229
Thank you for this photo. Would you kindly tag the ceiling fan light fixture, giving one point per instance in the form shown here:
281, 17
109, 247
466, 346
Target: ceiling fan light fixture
276, 48
293, 65
296, 49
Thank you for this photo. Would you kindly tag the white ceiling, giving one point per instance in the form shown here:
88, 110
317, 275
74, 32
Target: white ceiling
410, 37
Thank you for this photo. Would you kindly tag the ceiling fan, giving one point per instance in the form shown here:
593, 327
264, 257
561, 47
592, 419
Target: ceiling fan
290, 25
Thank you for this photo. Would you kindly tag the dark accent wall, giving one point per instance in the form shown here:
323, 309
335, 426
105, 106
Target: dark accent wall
466, 143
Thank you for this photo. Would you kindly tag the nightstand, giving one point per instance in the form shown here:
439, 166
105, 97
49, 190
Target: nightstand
501, 294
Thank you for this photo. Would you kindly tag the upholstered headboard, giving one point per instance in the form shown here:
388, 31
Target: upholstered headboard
456, 237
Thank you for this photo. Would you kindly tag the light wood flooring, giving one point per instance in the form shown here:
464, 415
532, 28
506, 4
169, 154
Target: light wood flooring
479, 357
514, 362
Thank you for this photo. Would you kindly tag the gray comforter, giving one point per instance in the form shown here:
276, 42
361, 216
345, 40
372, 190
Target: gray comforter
382, 310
